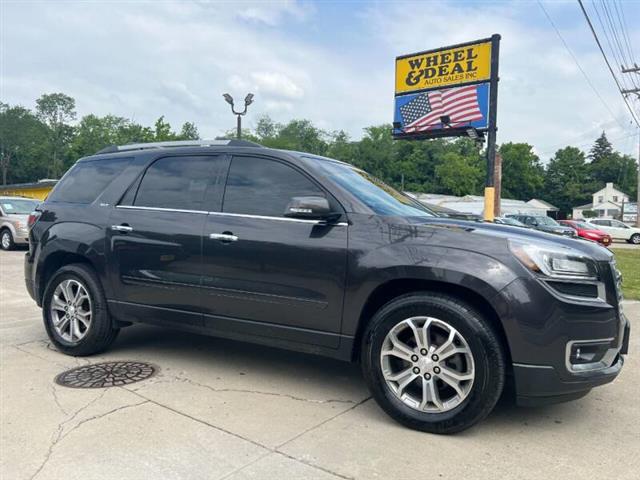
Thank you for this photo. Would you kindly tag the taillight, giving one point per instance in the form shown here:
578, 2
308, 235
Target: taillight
33, 218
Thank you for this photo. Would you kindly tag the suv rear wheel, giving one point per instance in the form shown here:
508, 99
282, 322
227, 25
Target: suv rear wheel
75, 312
433, 363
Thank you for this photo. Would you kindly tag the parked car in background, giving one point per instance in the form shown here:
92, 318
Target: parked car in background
617, 229
509, 221
14, 215
294, 250
588, 231
544, 224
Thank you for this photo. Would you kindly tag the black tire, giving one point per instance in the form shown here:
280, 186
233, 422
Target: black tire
635, 239
488, 357
6, 240
101, 331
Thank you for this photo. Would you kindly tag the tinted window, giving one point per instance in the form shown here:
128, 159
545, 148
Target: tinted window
86, 180
375, 194
176, 182
257, 186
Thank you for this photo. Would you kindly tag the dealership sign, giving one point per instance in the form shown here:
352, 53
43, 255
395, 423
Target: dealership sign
466, 63
451, 92
446, 91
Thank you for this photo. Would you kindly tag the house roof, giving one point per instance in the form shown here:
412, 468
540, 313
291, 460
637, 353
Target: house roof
39, 183
533, 201
584, 207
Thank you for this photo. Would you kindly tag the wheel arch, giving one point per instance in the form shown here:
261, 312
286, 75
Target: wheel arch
54, 262
397, 287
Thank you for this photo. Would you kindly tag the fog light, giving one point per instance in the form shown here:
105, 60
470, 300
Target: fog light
587, 352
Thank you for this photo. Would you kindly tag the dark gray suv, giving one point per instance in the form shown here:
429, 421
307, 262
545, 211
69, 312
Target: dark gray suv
308, 253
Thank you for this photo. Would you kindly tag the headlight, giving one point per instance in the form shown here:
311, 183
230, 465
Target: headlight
554, 261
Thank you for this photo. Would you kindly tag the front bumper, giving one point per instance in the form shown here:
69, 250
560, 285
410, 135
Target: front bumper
545, 384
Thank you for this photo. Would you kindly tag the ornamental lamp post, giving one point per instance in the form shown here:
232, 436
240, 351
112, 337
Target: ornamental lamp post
248, 100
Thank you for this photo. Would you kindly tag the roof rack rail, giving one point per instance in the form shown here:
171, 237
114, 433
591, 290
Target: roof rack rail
177, 143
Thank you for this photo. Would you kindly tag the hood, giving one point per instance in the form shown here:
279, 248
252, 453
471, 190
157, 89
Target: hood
487, 230
593, 231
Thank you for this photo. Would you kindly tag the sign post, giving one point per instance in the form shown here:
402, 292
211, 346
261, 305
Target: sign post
489, 191
451, 92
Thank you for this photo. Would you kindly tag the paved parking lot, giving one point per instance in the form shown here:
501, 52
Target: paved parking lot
222, 409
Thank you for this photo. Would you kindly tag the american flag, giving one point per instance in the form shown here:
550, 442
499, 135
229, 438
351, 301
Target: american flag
460, 104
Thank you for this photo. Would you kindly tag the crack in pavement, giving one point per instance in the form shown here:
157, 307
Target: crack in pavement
54, 391
258, 444
58, 436
169, 379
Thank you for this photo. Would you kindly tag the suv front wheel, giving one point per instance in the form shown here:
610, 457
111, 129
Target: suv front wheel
75, 312
433, 363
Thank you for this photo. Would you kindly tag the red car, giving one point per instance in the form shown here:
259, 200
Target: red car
588, 231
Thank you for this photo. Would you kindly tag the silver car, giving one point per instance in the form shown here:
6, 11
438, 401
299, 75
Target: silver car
14, 214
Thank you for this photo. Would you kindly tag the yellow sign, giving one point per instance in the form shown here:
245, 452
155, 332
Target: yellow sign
440, 68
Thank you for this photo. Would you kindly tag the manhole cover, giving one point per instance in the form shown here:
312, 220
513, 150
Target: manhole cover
108, 374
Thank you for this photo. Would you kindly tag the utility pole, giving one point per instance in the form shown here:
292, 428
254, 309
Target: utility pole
638, 188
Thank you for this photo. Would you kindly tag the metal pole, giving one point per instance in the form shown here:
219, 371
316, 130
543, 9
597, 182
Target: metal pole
489, 191
497, 185
638, 188
239, 128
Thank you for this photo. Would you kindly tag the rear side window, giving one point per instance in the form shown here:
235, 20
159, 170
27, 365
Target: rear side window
257, 186
176, 182
86, 180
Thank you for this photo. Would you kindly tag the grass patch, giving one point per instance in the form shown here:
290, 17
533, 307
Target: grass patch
628, 261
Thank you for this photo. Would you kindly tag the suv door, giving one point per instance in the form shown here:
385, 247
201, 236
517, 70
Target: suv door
154, 238
263, 270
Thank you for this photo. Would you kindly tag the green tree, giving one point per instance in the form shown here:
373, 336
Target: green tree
57, 110
566, 179
522, 172
23, 145
608, 165
458, 174
189, 131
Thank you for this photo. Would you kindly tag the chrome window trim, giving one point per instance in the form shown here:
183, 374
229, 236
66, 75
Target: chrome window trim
280, 219
160, 209
240, 215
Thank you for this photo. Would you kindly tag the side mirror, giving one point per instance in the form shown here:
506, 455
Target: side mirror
310, 208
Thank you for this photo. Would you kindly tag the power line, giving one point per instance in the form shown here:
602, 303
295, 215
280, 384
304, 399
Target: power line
613, 41
586, 77
606, 60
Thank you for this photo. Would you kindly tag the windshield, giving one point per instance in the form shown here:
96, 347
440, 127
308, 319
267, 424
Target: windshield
375, 194
547, 221
18, 207
584, 225
512, 221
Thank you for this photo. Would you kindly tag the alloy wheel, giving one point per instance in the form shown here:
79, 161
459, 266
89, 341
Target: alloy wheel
427, 364
6, 240
71, 312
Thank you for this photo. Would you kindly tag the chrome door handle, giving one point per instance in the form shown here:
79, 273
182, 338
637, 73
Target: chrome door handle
122, 228
225, 237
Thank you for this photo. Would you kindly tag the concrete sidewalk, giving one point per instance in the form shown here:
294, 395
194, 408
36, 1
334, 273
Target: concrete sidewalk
222, 409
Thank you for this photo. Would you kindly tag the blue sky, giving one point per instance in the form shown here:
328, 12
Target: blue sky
331, 62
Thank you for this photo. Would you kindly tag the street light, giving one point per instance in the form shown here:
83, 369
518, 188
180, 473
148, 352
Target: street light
248, 100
